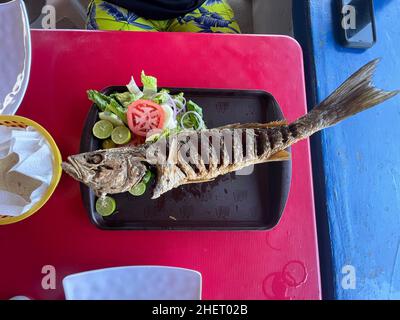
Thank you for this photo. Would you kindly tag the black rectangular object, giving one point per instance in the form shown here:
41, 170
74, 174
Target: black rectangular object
363, 36
231, 202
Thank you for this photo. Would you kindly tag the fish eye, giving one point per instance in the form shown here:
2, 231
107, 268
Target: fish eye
94, 159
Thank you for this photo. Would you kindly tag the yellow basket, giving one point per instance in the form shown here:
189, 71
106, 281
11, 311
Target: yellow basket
21, 122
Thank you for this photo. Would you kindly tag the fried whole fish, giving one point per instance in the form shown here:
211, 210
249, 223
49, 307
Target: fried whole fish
200, 156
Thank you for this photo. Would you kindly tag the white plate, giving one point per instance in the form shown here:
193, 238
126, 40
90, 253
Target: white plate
15, 55
134, 283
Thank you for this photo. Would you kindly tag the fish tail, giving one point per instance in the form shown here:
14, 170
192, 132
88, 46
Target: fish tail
356, 94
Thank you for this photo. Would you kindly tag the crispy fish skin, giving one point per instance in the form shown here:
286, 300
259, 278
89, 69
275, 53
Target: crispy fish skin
108, 171
237, 146
214, 159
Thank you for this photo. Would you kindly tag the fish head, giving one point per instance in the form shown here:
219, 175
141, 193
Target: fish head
107, 171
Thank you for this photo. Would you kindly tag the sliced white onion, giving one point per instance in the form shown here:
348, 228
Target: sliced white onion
200, 120
169, 122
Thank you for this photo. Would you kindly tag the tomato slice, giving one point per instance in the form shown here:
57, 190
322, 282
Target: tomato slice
144, 116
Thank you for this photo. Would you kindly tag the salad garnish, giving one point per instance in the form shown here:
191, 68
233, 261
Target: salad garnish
138, 116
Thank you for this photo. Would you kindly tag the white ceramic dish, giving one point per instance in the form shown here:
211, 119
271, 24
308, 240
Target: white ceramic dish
134, 283
15, 55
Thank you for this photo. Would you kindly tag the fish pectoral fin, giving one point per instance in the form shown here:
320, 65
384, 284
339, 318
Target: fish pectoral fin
168, 177
199, 181
279, 156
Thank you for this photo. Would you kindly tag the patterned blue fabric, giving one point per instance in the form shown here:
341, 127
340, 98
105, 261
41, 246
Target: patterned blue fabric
207, 20
121, 16
215, 16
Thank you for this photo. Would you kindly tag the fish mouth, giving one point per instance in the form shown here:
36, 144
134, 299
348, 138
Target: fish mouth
71, 167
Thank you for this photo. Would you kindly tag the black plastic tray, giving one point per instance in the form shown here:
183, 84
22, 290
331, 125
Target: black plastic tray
231, 202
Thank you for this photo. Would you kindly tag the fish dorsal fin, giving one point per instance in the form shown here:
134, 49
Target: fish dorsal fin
273, 124
279, 123
231, 126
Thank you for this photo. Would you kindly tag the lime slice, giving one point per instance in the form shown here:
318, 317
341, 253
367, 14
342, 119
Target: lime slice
102, 129
138, 190
112, 118
108, 144
147, 177
105, 206
121, 135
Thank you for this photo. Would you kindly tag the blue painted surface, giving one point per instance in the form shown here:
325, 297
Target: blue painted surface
360, 157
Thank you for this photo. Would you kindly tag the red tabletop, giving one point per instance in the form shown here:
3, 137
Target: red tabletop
277, 264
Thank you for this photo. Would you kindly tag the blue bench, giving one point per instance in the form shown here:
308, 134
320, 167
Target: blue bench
356, 164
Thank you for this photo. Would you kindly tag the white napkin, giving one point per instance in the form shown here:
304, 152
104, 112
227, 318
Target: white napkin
11, 204
25, 143
38, 165
35, 162
4, 149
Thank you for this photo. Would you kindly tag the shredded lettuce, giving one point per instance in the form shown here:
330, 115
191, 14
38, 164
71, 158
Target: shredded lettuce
125, 98
191, 120
162, 97
107, 103
191, 106
117, 109
179, 97
99, 99
179, 100
149, 85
